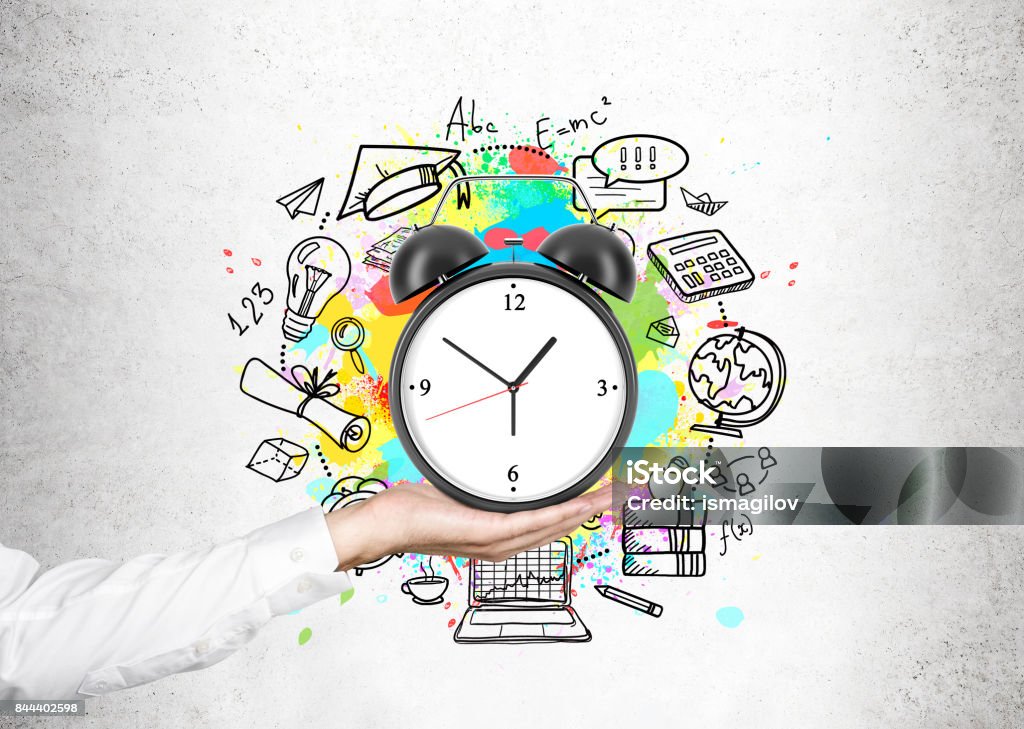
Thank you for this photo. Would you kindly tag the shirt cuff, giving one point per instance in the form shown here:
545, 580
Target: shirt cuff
294, 562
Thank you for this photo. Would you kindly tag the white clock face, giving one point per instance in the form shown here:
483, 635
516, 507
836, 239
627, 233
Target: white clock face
479, 431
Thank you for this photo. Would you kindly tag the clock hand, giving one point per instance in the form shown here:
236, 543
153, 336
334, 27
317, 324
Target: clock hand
474, 402
475, 361
512, 391
534, 362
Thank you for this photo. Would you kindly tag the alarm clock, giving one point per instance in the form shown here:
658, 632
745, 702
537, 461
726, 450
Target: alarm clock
513, 385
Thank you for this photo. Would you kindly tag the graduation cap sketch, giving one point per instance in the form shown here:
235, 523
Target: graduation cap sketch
388, 180
702, 203
305, 200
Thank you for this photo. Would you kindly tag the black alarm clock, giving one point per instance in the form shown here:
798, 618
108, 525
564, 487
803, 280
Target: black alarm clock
513, 384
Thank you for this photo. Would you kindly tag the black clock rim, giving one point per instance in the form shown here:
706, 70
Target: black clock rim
477, 275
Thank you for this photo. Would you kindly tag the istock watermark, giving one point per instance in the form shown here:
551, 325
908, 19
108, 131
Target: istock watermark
689, 487
655, 476
642, 471
705, 503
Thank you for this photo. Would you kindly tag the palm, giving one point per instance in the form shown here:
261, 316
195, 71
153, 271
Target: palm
419, 518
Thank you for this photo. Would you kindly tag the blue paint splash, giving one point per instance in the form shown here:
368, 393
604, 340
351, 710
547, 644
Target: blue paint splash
318, 336
657, 406
400, 468
319, 488
730, 616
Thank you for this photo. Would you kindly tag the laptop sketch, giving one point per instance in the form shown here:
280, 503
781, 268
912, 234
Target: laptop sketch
524, 599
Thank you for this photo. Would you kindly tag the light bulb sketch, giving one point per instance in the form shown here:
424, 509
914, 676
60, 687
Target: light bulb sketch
318, 268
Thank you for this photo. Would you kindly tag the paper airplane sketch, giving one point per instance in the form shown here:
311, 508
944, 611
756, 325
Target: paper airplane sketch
702, 203
388, 180
305, 200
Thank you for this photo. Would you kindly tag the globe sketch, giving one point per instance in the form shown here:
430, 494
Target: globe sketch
738, 375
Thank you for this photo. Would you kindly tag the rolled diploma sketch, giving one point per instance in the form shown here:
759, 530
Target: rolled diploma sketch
260, 382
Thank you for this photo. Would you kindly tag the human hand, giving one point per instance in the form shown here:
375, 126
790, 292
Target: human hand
418, 518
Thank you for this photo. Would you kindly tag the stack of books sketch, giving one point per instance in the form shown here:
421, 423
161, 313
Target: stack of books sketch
663, 543
379, 255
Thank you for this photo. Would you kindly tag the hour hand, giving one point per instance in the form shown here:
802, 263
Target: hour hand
534, 362
475, 361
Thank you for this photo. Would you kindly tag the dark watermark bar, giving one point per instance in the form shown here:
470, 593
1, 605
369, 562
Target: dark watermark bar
689, 487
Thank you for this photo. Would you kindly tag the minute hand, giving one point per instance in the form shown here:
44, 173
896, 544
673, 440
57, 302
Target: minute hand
533, 363
477, 362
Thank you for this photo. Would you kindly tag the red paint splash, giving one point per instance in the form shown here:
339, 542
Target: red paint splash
227, 252
451, 623
720, 324
533, 161
580, 555
455, 568
765, 274
447, 605
378, 392
495, 238
791, 283
256, 261
794, 264
380, 296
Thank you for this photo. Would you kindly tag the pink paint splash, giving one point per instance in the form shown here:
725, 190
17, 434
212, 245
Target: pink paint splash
495, 238
380, 296
455, 568
533, 161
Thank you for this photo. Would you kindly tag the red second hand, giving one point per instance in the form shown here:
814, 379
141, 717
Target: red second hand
488, 397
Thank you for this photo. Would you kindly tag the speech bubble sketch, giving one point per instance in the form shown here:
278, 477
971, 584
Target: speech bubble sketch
622, 197
640, 158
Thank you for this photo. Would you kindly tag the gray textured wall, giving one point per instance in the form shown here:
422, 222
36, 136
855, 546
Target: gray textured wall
137, 141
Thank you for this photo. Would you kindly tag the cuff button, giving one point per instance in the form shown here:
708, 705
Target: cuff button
297, 554
304, 585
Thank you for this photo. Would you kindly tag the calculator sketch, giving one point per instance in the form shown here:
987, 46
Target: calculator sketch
700, 265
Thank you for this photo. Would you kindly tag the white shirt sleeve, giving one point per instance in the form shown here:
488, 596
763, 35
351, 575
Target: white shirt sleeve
91, 627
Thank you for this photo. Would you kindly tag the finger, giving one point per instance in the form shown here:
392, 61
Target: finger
495, 533
525, 522
536, 539
531, 541
501, 550
595, 503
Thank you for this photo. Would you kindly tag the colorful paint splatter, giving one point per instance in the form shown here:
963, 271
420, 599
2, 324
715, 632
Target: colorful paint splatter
497, 212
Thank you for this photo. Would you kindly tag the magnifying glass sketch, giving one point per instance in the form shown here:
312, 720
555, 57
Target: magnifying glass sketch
347, 335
